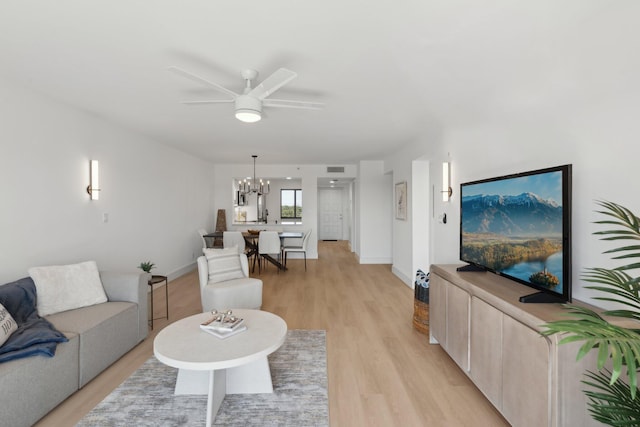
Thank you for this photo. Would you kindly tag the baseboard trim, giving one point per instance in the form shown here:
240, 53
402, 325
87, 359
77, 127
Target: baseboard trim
406, 280
182, 271
381, 260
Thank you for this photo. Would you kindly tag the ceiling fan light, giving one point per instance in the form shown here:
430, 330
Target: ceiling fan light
248, 116
248, 109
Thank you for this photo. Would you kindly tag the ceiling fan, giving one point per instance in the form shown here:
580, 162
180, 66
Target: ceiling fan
249, 104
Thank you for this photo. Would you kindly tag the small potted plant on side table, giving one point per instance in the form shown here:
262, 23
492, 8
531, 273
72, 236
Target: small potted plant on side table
147, 266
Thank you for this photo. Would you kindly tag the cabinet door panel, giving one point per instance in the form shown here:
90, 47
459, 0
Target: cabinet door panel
486, 350
437, 309
458, 302
526, 375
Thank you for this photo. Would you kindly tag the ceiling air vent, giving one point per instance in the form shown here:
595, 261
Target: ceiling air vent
335, 169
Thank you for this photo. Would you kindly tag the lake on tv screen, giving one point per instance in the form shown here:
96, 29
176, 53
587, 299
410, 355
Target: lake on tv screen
537, 260
524, 270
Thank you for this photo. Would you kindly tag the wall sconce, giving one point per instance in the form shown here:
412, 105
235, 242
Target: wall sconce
94, 184
447, 191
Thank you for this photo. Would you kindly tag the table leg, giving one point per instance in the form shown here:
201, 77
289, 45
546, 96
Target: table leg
251, 378
152, 306
274, 261
210, 399
211, 383
166, 295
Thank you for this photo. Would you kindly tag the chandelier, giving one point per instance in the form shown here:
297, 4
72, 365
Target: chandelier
247, 186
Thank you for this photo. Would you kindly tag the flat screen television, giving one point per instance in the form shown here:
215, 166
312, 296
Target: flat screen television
519, 226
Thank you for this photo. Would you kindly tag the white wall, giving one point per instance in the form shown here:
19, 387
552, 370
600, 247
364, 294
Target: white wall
155, 197
374, 195
411, 239
422, 196
580, 107
597, 151
599, 139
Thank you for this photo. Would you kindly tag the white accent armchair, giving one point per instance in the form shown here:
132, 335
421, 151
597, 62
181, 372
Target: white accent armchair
225, 282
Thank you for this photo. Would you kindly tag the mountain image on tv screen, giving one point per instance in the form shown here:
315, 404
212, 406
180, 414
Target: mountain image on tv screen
514, 227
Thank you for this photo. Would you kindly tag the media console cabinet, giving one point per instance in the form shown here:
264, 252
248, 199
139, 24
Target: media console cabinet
479, 321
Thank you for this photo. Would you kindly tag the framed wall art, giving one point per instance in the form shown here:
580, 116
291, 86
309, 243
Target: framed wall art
401, 200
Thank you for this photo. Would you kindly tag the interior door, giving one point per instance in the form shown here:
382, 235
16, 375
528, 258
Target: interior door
330, 208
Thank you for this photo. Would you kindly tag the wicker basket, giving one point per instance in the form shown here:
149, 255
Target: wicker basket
421, 316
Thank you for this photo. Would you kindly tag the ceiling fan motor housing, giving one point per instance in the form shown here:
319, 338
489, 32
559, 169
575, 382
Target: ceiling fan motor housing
248, 108
248, 103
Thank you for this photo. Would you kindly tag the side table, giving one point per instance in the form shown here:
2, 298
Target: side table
155, 279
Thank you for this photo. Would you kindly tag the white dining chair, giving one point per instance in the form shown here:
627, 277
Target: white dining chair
268, 244
201, 233
301, 248
233, 238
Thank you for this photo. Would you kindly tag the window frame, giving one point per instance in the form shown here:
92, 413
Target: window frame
295, 217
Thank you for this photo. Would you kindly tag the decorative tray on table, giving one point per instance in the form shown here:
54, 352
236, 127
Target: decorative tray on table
223, 324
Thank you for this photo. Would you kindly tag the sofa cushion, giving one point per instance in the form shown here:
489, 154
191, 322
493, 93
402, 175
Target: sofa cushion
66, 287
35, 335
224, 264
7, 324
105, 331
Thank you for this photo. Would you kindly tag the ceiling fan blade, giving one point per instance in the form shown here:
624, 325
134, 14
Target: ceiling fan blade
285, 103
199, 79
208, 101
272, 83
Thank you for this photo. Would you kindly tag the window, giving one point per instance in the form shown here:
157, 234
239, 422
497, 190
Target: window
291, 204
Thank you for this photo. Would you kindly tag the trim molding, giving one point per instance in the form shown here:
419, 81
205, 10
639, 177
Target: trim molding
406, 280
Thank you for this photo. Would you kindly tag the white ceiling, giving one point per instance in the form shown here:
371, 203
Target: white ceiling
389, 71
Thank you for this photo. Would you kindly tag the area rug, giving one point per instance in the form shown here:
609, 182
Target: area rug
300, 397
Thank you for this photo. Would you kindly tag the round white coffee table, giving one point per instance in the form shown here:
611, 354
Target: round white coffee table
215, 367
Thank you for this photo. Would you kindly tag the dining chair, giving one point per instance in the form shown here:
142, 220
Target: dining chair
233, 238
201, 233
268, 245
302, 248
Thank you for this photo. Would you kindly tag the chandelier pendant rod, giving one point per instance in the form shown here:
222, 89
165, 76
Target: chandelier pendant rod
247, 187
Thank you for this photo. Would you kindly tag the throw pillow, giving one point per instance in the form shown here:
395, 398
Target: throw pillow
65, 287
7, 325
224, 264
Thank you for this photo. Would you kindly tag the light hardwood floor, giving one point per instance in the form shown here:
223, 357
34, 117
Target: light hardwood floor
381, 371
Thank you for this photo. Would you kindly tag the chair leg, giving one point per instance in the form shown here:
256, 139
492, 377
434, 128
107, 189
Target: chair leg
305, 260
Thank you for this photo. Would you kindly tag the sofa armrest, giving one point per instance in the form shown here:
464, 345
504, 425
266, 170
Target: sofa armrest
120, 286
129, 287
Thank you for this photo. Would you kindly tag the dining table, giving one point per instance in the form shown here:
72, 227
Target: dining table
251, 242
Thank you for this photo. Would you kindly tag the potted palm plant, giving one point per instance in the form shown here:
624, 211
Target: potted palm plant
612, 393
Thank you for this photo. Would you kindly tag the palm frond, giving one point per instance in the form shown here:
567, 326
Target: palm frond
618, 344
624, 249
611, 404
612, 400
624, 288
